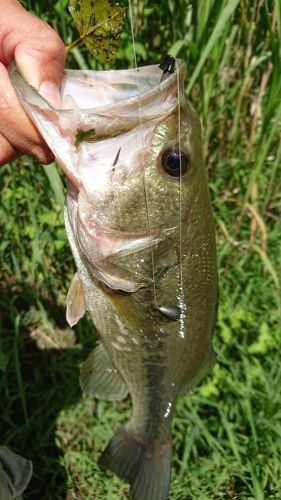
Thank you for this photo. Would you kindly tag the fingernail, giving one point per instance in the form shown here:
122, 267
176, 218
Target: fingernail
51, 93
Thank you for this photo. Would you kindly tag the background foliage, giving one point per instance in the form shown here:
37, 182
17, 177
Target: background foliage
227, 433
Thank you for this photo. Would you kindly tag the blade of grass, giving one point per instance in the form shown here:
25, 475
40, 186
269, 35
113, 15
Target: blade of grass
18, 368
55, 183
187, 450
227, 12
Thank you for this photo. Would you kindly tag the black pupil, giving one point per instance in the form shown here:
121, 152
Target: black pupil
174, 162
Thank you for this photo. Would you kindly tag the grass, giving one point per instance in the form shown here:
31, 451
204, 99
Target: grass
227, 433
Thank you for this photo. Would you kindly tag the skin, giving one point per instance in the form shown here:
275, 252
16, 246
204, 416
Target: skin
40, 55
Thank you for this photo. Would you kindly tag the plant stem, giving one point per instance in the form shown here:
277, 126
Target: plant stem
88, 33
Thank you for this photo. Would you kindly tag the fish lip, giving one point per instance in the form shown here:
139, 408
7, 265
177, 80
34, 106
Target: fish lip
162, 86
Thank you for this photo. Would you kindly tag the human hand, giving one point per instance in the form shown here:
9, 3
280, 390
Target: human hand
40, 55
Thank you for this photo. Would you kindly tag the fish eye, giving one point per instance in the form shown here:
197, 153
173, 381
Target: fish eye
175, 162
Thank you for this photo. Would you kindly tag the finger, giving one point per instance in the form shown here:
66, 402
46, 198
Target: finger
42, 64
7, 152
36, 47
15, 126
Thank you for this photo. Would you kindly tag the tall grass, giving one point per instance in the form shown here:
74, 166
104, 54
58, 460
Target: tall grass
227, 433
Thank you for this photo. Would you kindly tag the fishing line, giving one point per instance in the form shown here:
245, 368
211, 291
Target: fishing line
180, 184
142, 167
181, 299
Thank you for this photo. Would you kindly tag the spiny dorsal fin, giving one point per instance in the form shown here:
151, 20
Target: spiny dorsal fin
100, 378
75, 302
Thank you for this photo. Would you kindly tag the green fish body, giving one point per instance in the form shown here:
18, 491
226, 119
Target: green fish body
139, 220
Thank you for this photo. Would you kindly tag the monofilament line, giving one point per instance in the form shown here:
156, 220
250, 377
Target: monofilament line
180, 184
140, 159
182, 304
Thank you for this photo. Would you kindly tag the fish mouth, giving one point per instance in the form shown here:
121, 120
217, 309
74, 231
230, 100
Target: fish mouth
103, 91
110, 101
99, 105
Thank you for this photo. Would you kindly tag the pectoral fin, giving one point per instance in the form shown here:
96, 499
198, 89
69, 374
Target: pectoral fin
75, 302
100, 378
133, 314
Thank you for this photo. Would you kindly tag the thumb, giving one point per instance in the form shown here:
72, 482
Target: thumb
37, 49
42, 68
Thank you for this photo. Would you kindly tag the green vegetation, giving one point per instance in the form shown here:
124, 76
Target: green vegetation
83, 135
227, 434
99, 24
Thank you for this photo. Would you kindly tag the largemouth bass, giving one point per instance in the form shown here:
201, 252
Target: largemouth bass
139, 221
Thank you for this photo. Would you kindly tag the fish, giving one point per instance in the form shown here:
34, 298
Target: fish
139, 221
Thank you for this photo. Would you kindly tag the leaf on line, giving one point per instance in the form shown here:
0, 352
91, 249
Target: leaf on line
99, 23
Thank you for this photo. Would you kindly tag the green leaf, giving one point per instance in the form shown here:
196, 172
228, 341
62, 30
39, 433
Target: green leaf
140, 50
56, 183
82, 135
176, 47
228, 11
99, 23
